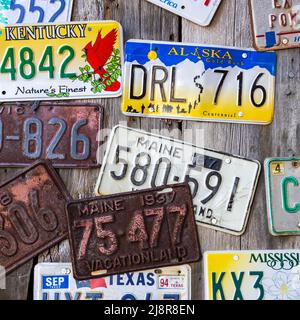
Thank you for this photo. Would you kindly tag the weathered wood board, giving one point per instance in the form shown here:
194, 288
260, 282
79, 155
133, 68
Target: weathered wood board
231, 26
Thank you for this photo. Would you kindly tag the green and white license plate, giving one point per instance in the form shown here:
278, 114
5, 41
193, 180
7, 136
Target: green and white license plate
35, 11
282, 176
60, 61
252, 275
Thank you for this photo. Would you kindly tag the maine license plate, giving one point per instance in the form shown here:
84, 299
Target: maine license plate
222, 185
35, 11
198, 11
55, 281
32, 215
282, 177
132, 231
65, 134
275, 24
252, 275
198, 82
60, 61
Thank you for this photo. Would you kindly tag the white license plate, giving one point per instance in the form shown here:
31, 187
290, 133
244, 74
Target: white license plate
252, 275
198, 11
35, 11
222, 185
282, 176
54, 281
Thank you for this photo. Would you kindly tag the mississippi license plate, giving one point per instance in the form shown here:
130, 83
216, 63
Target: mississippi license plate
197, 82
252, 275
60, 61
222, 185
282, 176
275, 24
65, 134
35, 11
132, 231
55, 281
32, 215
198, 11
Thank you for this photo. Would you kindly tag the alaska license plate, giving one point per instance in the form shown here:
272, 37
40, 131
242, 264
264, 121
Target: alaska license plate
252, 275
198, 82
55, 281
35, 11
275, 24
198, 11
222, 185
60, 61
132, 231
65, 134
282, 176
32, 215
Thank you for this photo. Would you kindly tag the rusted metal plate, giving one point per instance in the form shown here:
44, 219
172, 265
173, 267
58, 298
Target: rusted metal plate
132, 231
32, 215
65, 134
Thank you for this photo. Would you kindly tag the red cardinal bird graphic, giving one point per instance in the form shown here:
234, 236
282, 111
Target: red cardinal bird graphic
98, 54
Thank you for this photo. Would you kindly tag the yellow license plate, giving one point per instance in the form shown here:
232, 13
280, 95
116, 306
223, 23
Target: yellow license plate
198, 82
60, 61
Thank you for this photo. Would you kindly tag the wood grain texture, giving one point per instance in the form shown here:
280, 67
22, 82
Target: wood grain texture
231, 27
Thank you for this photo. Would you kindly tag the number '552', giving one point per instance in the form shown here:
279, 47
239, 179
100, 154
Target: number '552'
29, 64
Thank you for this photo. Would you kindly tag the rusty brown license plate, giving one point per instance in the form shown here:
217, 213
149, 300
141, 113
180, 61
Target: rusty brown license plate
132, 231
32, 214
65, 134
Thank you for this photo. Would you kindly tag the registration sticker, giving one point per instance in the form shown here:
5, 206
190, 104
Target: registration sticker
198, 82
60, 61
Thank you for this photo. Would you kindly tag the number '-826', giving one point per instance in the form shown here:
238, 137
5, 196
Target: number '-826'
33, 136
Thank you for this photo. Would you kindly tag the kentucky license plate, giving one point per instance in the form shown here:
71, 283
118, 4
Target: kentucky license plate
55, 281
32, 216
198, 82
132, 231
252, 275
222, 185
198, 11
60, 61
282, 176
65, 134
35, 11
275, 24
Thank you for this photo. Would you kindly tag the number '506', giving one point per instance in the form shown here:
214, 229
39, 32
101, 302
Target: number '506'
27, 66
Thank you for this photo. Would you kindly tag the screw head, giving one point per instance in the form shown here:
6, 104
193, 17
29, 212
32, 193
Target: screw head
285, 41
241, 114
245, 55
214, 221
236, 258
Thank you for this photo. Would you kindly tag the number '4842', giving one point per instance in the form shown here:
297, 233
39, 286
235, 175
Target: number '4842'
29, 65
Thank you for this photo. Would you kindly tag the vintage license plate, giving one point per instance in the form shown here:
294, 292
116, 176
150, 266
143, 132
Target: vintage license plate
74, 60
282, 176
198, 82
35, 11
275, 24
198, 11
65, 134
252, 275
55, 281
222, 185
32, 214
132, 231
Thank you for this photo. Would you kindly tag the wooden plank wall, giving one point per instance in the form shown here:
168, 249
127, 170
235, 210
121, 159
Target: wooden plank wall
231, 27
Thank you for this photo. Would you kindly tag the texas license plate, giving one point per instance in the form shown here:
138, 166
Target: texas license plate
275, 24
282, 177
132, 231
198, 11
196, 82
55, 281
60, 61
35, 11
222, 185
32, 215
252, 275
65, 134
